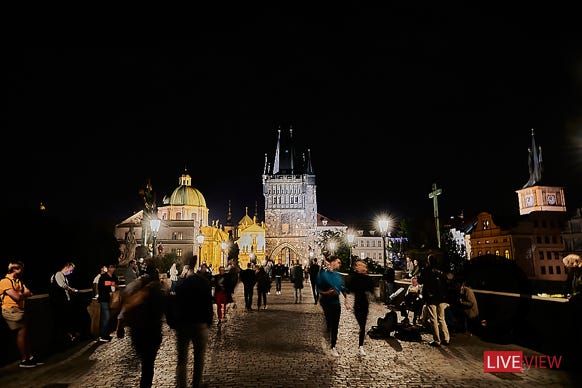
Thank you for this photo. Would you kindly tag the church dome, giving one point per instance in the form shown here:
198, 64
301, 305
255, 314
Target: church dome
186, 195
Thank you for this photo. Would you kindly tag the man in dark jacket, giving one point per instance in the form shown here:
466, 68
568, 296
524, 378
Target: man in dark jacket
193, 319
313, 273
249, 279
434, 293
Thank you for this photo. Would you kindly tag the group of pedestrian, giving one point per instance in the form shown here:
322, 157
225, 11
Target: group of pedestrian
190, 304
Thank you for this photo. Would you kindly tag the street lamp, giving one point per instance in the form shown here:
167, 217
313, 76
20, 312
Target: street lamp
155, 227
200, 239
223, 246
351, 237
383, 229
331, 247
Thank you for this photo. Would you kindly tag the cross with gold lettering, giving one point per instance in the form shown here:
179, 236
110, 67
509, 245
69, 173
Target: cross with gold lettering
434, 194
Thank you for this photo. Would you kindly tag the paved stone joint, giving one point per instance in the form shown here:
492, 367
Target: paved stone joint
284, 346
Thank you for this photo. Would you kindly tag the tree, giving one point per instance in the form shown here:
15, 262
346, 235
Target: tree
455, 252
341, 248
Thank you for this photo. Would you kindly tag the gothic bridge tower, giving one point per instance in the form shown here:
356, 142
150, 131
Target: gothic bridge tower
290, 203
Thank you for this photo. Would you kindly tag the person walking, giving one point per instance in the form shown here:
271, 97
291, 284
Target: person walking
263, 287
194, 314
107, 283
314, 269
142, 310
331, 284
14, 294
362, 287
434, 293
248, 277
278, 272
297, 279
173, 276
221, 288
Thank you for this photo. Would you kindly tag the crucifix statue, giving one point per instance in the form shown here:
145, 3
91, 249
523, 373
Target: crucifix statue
434, 194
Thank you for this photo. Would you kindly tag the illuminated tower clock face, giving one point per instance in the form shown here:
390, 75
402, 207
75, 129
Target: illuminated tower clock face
529, 200
551, 199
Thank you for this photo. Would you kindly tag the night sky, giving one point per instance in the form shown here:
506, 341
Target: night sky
389, 101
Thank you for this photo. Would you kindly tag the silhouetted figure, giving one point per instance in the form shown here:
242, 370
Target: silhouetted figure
314, 269
193, 319
248, 278
331, 284
362, 287
144, 318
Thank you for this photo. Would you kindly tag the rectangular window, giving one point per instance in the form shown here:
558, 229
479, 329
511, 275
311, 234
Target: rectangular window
543, 270
541, 255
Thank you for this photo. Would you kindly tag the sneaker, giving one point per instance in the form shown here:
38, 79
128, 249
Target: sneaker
434, 344
361, 351
334, 352
446, 343
27, 364
264, 308
36, 361
105, 339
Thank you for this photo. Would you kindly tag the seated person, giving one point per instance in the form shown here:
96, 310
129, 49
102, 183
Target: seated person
412, 301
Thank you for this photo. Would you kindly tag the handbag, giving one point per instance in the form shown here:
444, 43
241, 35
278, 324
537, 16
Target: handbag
115, 299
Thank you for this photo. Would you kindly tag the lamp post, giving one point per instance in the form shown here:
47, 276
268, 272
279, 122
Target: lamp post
200, 239
223, 246
351, 237
155, 227
331, 246
383, 223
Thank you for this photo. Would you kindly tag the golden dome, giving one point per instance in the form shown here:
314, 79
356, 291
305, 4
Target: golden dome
186, 195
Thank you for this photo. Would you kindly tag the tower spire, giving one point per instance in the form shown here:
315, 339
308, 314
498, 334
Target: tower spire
534, 162
277, 152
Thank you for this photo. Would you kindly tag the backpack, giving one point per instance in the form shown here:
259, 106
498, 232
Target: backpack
4, 293
388, 323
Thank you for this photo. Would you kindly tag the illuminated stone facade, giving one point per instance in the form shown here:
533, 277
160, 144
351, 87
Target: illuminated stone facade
290, 204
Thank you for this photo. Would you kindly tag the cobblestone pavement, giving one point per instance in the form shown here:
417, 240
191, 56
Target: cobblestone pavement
283, 346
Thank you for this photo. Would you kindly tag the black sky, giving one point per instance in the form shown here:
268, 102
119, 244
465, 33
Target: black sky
388, 100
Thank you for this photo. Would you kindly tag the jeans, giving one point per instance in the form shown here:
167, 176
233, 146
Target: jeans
104, 321
146, 344
197, 333
248, 293
261, 297
278, 283
314, 290
332, 318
